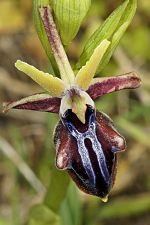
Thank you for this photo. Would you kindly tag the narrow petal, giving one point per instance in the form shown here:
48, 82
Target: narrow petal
102, 86
39, 102
53, 85
87, 72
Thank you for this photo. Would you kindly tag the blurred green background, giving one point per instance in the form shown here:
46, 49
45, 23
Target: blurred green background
26, 144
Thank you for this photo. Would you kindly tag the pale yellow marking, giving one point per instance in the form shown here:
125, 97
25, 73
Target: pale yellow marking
87, 72
53, 85
105, 199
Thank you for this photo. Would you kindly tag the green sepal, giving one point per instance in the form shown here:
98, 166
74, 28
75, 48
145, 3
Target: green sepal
69, 15
42, 33
112, 29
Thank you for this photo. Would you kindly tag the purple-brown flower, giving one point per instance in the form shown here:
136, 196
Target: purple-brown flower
86, 140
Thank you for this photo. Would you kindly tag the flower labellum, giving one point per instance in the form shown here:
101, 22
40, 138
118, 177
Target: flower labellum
88, 151
86, 141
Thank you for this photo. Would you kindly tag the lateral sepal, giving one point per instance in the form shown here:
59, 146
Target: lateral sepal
38, 102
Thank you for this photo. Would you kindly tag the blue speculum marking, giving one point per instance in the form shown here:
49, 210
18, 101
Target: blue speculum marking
84, 153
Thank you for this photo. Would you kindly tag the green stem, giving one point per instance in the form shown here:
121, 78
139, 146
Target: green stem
57, 190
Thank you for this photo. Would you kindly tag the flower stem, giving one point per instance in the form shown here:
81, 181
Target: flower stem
64, 66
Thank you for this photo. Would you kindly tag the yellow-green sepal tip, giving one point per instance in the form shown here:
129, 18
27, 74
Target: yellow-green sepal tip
53, 85
86, 73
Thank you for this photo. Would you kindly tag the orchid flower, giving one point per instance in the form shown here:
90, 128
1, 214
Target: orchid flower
86, 140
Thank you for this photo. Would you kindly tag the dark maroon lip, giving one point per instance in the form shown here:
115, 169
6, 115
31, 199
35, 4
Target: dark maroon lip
87, 155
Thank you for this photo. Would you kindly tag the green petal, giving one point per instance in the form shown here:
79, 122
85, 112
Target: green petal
69, 15
53, 85
87, 72
112, 29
